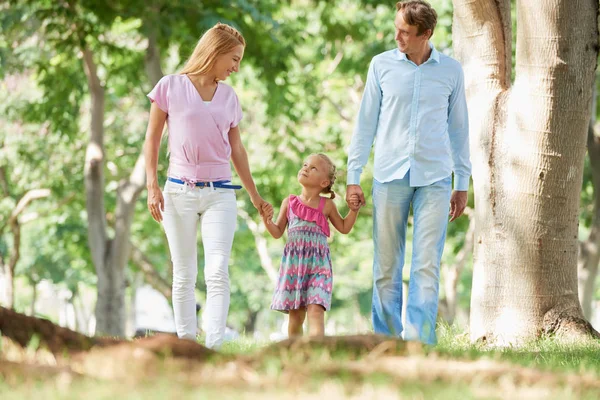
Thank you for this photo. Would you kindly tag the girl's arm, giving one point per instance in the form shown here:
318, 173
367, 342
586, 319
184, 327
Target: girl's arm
278, 228
156, 124
344, 225
240, 162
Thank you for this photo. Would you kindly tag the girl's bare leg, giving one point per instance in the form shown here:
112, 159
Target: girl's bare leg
295, 322
316, 320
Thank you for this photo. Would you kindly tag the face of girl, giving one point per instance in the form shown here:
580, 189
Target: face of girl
314, 172
228, 63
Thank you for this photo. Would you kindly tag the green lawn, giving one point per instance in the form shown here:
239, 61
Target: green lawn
454, 369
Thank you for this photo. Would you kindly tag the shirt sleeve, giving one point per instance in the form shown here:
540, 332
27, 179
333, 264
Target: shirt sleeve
458, 130
160, 94
237, 112
366, 127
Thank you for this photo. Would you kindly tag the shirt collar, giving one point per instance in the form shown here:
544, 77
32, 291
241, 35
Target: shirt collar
434, 56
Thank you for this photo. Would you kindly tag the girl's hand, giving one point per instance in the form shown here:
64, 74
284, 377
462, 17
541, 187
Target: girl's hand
354, 202
267, 211
156, 203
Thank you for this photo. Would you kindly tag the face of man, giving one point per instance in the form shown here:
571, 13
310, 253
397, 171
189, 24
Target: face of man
407, 38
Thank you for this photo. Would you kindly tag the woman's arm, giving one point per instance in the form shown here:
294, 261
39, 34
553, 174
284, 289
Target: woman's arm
278, 228
344, 225
242, 167
156, 124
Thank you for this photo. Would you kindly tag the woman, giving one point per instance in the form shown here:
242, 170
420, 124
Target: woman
202, 114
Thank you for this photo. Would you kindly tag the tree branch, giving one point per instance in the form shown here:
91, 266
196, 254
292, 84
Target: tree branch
258, 231
150, 274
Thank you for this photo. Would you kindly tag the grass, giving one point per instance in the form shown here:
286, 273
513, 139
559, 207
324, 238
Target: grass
546, 354
242, 346
248, 371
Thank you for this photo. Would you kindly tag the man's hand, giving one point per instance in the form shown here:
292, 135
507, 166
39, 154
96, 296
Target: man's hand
354, 193
458, 202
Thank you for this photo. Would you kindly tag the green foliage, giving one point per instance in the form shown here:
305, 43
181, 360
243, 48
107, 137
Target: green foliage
300, 84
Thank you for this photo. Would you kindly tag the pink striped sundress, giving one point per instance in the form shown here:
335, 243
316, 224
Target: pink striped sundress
305, 273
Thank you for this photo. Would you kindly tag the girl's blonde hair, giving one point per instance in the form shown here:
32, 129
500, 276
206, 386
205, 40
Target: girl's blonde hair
330, 175
218, 40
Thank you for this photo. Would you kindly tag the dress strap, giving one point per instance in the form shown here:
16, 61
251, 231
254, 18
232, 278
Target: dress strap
322, 204
289, 210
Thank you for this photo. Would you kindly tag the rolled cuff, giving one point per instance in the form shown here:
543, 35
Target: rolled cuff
353, 178
461, 182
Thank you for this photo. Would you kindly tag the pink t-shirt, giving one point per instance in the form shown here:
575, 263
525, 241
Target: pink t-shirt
198, 132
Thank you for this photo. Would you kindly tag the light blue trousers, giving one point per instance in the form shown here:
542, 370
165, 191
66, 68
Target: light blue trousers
391, 206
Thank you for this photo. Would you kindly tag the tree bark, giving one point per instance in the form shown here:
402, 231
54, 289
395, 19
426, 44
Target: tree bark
250, 324
110, 256
110, 303
33, 297
528, 144
589, 250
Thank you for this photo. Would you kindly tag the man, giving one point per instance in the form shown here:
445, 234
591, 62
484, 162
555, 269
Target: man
414, 103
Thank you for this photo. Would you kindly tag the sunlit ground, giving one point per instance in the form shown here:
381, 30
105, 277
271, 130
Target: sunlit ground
340, 368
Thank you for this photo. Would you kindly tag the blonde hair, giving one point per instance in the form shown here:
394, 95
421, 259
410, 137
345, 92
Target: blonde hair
330, 175
218, 40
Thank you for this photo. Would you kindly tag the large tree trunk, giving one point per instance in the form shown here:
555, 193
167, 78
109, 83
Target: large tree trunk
589, 250
110, 256
110, 304
528, 146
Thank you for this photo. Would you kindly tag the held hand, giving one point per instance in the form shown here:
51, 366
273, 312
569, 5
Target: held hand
156, 203
262, 206
458, 202
267, 212
354, 202
354, 195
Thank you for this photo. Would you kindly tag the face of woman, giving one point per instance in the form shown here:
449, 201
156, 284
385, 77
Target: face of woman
228, 63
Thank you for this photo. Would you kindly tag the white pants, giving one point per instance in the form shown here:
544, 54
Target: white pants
216, 209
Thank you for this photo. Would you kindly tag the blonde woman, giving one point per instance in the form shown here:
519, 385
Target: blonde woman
202, 114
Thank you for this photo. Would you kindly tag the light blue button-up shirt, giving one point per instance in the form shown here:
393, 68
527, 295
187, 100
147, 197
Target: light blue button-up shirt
418, 115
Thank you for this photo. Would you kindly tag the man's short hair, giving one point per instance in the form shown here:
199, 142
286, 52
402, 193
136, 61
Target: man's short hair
419, 13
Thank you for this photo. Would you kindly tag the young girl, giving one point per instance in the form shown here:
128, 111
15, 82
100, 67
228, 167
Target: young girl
305, 275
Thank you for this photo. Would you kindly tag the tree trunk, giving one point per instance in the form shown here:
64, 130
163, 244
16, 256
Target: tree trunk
33, 297
589, 250
250, 324
110, 256
528, 147
110, 304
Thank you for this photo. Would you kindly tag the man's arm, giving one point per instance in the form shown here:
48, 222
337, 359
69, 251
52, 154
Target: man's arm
458, 131
364, 133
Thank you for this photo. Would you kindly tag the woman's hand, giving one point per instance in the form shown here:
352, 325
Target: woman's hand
156, 203
265, 209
